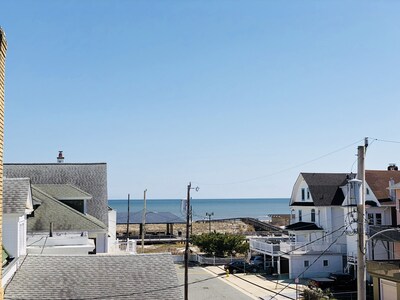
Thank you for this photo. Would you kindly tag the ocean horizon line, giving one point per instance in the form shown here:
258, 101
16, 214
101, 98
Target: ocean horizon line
166, 199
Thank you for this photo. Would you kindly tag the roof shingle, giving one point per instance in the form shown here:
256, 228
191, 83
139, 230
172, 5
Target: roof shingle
116, 277
89, 177
15, 195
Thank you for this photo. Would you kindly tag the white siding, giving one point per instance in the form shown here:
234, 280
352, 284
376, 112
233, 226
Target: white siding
317, 269
10, 234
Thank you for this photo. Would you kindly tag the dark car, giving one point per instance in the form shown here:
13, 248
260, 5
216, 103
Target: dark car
334, 282
241, 266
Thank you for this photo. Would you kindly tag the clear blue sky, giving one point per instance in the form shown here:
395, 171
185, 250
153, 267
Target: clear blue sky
213, 92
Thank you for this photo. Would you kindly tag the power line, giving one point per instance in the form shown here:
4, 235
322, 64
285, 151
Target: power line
287, 169
309, 266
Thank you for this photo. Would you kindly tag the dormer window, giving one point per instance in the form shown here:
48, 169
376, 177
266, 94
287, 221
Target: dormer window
303, 194
367, 191
308, 194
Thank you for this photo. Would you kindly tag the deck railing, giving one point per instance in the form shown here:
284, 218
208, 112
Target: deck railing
264, 247
267, 247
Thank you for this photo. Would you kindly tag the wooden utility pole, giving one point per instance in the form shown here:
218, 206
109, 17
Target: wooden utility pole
361, 276
144, 218
127, 220
209, 215
187, 242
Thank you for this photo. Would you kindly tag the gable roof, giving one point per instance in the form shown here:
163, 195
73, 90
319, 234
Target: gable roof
325, 187
63, 217
378, 181
144, 277
15, 195
89, 177
64, 191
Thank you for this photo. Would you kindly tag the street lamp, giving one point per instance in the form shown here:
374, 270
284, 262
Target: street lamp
209, 220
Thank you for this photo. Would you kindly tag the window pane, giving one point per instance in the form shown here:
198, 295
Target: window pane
378, 219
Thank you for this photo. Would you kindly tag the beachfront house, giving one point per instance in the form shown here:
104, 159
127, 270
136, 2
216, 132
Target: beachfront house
89, 180
321, 237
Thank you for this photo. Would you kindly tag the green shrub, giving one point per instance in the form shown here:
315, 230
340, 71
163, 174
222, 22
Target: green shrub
220, 244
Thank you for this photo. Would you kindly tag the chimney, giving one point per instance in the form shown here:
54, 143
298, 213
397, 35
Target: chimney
392, 192
60, 158
393, 167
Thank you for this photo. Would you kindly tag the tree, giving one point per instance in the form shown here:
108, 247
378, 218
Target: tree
221, 244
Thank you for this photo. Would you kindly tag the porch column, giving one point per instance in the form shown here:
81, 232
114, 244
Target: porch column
140, 229
272, 261
279, 265
172, 229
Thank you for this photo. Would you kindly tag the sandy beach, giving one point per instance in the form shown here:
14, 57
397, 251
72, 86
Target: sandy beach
233, 226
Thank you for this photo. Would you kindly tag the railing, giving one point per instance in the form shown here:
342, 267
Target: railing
264, 247
300, 248
120, 247
213, 260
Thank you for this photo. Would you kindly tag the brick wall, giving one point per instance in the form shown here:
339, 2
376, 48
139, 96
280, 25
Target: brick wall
3, 49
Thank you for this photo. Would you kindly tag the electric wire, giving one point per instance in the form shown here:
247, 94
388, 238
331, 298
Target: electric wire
286, 169
309, 266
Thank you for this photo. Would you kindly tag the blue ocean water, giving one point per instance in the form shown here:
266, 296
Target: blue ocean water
222, 208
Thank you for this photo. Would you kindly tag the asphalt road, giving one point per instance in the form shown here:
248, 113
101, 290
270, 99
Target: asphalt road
204, 285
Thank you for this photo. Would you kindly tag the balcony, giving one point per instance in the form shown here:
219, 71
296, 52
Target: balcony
265, 247
302, 248
286, 247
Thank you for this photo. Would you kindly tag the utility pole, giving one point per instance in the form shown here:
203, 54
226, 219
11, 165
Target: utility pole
361, 276
127, 220
188, 213
209, 215
144, 218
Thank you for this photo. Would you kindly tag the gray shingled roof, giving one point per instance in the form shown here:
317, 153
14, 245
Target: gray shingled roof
325, 187
15, 195
144, 277
63, 217
91, 178
64, 191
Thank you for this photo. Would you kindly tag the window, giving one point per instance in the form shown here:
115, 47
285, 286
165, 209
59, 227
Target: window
370, 219
303, 194
367, 190
375, 219
306, 263
325, 263
313, 215
308, 193
378, 219
300, 215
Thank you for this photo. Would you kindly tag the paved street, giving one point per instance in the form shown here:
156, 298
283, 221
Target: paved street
206, 285
212, 283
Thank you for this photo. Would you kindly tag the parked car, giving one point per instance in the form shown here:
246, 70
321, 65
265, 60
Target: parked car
259, 261
334, 282
241, 266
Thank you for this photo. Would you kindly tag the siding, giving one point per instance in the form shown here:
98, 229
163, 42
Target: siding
3, 50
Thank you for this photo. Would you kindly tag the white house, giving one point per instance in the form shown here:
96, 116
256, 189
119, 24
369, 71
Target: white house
321, 237
17, 205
